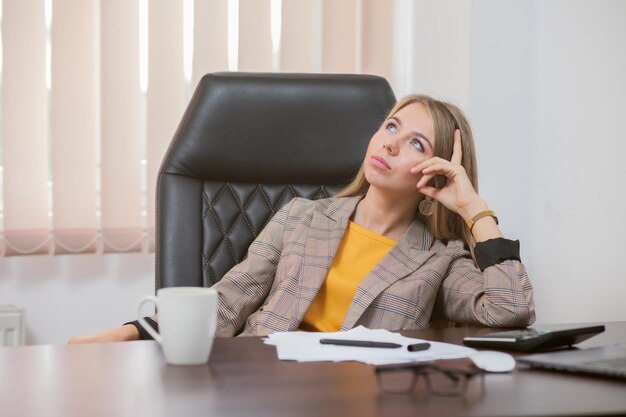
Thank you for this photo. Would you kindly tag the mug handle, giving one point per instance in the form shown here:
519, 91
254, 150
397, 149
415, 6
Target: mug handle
148, 298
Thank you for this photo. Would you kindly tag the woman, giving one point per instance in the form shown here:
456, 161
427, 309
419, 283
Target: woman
409, 239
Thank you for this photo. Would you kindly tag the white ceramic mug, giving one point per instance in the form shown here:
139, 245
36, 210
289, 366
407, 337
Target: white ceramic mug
187, 322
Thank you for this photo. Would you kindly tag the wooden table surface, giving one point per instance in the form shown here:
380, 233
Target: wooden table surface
244, 378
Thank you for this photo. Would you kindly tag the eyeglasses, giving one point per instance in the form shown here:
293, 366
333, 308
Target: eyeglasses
440, 379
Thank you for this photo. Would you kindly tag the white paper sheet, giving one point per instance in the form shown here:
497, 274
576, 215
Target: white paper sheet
306, 347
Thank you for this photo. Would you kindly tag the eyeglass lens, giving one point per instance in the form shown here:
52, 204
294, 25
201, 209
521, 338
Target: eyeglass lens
437, 381
400, 381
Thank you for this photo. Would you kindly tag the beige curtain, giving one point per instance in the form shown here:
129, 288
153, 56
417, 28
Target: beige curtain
80, 151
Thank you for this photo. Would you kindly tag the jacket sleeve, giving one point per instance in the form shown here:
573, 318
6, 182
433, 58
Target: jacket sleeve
244, 288
499, 296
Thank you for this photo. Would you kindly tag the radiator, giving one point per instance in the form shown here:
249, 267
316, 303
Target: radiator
12, 328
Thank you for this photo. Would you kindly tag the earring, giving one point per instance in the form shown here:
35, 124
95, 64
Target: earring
426, 206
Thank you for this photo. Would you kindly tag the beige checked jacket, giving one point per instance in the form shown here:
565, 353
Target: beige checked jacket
272, 289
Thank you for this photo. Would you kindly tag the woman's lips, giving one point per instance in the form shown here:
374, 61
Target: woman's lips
380, 163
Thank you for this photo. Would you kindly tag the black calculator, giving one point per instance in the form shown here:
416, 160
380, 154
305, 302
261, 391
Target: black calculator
527, 340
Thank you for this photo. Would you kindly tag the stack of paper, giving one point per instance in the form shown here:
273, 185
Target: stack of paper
306, 347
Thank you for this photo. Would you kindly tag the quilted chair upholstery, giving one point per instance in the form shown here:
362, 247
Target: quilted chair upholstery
247, 144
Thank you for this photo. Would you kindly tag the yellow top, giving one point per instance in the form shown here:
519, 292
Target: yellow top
359, 252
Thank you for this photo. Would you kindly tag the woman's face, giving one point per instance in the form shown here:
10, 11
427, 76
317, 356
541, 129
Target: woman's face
404, 140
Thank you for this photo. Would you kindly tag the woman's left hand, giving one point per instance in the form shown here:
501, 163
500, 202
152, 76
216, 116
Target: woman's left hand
458, 195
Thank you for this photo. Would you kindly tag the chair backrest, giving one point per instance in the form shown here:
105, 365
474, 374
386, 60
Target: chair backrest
247, 144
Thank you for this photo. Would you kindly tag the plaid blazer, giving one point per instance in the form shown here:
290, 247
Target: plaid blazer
272, 289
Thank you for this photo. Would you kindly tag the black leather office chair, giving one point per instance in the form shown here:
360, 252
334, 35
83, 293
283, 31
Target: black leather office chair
247, 144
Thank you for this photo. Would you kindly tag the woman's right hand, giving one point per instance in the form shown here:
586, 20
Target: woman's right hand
116, 334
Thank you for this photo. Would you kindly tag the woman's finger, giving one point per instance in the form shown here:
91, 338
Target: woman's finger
419, 167
424, 180
445, 168
429, 164
457, 151
429, 191
437, 194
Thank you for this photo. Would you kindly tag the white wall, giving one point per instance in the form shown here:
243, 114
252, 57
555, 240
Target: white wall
72, 295
441, 50
547, 96
543, 84
500, 110
580, 145
544, 87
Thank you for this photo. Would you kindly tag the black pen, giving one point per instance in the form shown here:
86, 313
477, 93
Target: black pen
418, 346
359, 343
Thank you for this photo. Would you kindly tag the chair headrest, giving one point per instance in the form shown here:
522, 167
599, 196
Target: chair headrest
277, 128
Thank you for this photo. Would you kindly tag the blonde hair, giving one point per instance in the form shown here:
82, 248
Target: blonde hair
443, 223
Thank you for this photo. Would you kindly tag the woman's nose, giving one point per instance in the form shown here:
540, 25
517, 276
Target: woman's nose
390, 147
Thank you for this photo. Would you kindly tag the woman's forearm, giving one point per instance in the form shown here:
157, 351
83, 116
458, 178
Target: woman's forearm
117, 334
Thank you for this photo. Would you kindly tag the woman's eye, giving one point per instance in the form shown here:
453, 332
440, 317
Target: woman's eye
392, 128
417, 144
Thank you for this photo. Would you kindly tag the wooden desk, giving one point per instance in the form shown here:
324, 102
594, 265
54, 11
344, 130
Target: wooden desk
244, 378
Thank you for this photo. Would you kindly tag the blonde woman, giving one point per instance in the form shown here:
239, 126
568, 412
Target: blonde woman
407, 241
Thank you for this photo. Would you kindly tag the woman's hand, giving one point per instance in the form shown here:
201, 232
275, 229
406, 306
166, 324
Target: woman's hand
116, 334
458, 195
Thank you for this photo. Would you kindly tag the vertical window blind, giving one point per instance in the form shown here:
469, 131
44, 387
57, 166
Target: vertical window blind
93, 90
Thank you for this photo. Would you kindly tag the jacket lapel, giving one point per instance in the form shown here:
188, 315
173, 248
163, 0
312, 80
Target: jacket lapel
411, 252
324, 236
